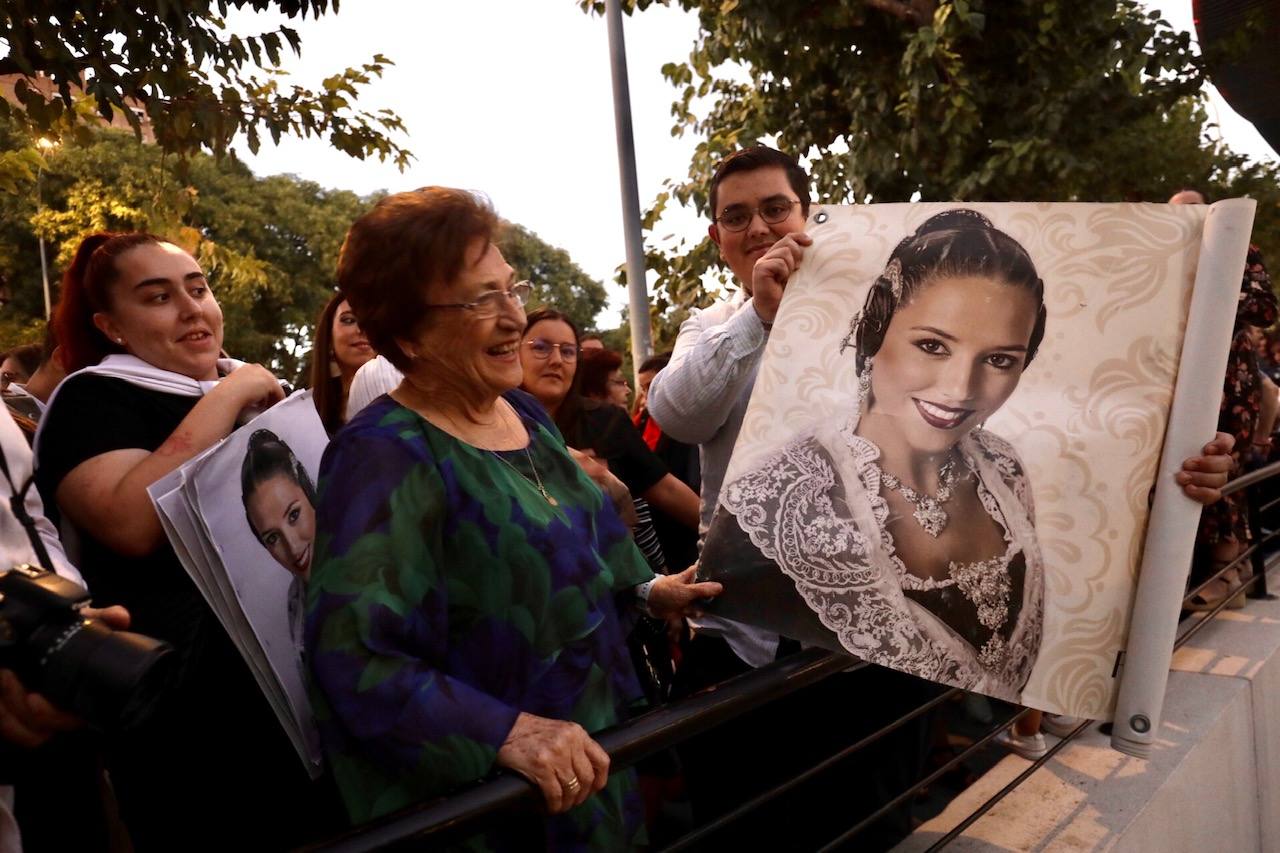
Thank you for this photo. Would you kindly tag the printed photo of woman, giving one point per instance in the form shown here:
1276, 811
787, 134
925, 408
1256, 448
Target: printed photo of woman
907, 530
279, 504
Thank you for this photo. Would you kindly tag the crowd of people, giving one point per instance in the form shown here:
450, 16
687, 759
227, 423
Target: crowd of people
502, 556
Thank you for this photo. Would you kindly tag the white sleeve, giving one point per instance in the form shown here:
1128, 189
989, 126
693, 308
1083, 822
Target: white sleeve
693, 396
375, 378
15, 544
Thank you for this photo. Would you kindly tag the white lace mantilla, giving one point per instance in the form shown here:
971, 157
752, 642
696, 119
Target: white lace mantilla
815, 509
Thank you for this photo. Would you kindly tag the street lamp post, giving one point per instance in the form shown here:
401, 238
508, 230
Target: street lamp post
45, 146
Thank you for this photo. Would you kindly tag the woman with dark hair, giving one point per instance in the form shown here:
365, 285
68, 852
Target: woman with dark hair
602, 377
550, 356
18, 364
279, 504
466, 589
279, 501
908, 530
340, 350
141, 334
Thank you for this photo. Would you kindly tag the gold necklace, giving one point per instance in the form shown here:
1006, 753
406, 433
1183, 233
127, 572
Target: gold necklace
536, 482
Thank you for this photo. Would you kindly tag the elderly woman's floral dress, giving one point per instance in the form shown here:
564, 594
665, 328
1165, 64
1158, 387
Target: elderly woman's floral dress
448, 594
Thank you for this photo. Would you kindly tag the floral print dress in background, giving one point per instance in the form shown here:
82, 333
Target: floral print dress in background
1241, 398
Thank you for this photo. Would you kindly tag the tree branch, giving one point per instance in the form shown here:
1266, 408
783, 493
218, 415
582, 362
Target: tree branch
918, 12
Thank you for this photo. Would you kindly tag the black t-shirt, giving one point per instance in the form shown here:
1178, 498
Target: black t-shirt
607, 430
93, 415
213, 760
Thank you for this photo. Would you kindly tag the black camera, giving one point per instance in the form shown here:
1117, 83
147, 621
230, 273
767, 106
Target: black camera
110, 679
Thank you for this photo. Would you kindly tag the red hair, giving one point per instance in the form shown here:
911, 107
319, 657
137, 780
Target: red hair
86, 291
594, 367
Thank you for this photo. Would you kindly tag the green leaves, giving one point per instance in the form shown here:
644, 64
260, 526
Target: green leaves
158, 57
269, 245
557, 280
895, 100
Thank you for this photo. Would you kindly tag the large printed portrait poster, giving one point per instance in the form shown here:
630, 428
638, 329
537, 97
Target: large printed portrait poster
948, 458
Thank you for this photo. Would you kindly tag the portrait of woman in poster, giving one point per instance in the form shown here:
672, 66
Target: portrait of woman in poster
907, 530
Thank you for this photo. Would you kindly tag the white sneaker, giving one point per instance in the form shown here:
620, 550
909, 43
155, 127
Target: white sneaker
1059, 725
1030, 747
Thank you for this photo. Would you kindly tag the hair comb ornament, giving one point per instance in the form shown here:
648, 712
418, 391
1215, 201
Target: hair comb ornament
893, 275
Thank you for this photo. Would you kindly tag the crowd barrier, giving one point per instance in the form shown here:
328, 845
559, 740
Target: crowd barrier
436, 822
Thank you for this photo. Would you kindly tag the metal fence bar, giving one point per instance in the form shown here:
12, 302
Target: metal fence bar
1258, 558
1248, 554
626, 744
699, 834
1207, 616
981, 810
977, 746
1254, 477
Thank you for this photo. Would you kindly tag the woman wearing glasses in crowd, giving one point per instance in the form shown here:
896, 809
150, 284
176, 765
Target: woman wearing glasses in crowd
602, 379
465, 590
551, 356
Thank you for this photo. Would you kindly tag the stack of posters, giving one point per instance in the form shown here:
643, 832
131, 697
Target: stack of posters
241, 518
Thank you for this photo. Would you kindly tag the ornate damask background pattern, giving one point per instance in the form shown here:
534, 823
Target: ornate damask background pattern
1088, 418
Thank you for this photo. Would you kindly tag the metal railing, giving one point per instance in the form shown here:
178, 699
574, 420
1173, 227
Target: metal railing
669, 725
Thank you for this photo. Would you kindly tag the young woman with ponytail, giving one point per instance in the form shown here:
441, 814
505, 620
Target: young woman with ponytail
148, 390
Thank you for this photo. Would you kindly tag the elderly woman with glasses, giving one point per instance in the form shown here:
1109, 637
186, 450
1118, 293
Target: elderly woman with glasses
470, 582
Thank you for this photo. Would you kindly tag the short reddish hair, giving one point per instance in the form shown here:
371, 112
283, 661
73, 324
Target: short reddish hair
86, 290
594, 367
395, 254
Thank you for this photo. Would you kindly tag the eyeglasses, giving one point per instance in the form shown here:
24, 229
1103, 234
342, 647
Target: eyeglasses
738, 217
491, 302
542, 350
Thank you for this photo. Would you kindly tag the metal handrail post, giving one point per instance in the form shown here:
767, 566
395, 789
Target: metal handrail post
1258, 559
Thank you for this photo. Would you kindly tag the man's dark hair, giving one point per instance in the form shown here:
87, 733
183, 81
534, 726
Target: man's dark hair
761, 157
654, 363
27, 355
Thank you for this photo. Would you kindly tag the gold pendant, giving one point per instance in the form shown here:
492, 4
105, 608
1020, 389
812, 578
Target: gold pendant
551, 500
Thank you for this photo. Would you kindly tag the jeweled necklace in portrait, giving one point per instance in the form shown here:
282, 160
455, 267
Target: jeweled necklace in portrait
987, 585
927, 509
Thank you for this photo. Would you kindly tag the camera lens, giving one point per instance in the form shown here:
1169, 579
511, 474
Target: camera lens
111, 679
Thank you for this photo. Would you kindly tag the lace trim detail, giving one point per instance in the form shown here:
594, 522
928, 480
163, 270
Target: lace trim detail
793, 509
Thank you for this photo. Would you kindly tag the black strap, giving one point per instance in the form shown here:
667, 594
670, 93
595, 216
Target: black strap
18, 504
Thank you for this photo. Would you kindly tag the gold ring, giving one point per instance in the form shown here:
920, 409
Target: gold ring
572, 785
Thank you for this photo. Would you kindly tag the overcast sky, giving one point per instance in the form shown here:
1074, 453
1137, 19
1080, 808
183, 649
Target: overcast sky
513, 97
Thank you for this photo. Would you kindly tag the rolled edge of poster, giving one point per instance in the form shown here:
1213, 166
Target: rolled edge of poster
1171, 531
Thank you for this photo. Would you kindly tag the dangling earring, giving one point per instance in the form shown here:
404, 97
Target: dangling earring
864, 382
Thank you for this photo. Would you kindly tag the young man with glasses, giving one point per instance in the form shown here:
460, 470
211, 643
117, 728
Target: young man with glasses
759, 202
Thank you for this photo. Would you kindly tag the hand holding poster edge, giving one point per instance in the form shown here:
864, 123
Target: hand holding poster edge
1172, 527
